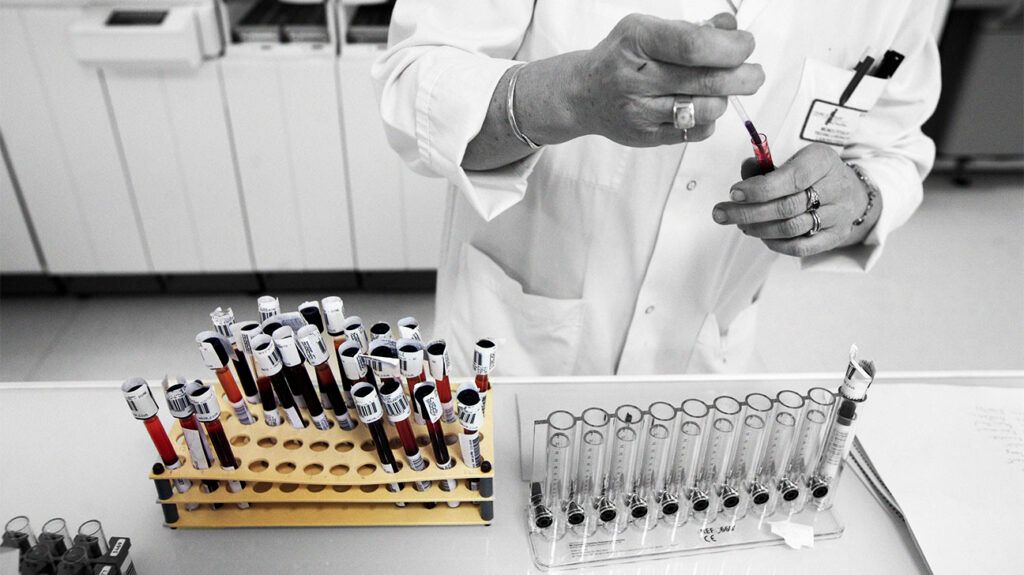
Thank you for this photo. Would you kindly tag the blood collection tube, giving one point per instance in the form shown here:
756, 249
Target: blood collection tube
380, 330
589, 493
91, 538
471, 416
382, 358
55, 537
483, 364
711, 478
18, 533
409, 328
298, 378
310, 311
334, 323
216, 352
430, 407
200, 453
410, 363
808, 446
396, 405
686, 448
353, 370
761, 151
370, 412
246, 334
440, 366
270, 364
314, 349
223, 322
749, 444
143, 406
555, 493
207, 409
268, 306
354, 331
778, 445
654, 459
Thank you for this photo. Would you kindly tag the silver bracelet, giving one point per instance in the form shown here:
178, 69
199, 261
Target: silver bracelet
510, 113
872, 192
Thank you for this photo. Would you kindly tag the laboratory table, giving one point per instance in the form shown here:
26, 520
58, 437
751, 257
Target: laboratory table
72, 450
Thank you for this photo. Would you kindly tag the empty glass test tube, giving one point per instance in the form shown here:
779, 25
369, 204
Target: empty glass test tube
557, 486
686, 449
749, 442
590, 493
90, 536
810, 439
55, 537
18, 533
711, 479
653, 494
781, 435
621, 476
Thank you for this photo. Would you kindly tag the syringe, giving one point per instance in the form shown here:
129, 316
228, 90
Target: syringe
621, 478
753, 427
692, 420
816, 415
589, 494
714, 464
653, 462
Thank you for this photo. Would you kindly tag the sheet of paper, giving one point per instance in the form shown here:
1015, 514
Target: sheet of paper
953, 457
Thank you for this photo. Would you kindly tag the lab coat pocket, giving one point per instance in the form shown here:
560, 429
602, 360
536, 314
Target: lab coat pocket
816, 116
728, 351
537, 335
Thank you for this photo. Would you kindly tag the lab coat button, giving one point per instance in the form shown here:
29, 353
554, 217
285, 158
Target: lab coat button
649, 310
691, 184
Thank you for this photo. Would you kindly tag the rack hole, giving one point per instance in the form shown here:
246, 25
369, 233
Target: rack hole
240, 440
266, 441
319, 445
423, 440
315, 488
285, 467
339, 470
343, 446
289, 487
262, 487
258, 466
366, 446
293, 444
366, 469
340, 488
451, 439
227, 416
395, 443
368, 488
313, 469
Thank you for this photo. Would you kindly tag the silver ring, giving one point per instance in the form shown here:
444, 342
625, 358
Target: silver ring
684, 114
813, 199
815, 225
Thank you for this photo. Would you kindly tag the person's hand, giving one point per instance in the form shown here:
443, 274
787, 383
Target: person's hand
774, 207
626, 84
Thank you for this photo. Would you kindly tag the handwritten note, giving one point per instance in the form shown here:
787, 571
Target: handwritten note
1003, 426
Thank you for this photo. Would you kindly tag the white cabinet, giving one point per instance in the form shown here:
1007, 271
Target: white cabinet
397, 213
283, 105
17, 254
57, 127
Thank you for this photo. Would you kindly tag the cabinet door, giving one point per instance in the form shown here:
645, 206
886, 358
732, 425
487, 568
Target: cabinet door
17, 254
383, 189
173, 127
284, 117
57, 126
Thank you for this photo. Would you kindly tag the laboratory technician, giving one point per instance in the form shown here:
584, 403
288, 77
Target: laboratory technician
602, 226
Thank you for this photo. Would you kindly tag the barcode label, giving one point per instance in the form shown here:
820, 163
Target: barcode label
437, 359
470, 447
433, 407
312, 346
196, 448
242, 413
178, 403
272, 418
416, 462
208, 410
470, 417
368, 408
140, 400
396, 405
449, 412
483, 357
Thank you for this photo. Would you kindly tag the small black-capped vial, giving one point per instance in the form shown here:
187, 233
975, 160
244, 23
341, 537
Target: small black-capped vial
789, 490
606, 511
574, 513
730, 498
699, 501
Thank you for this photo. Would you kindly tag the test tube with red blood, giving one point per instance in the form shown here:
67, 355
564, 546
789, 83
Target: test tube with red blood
471, 415
298, 378
354, 331
198, 445
440, 365
224, 322
314, 349
384, 351
410, 363
207, 409
334, 321
761, 151
310, 311
397, 407
352, 370
483, 364
430, 407
143, 406
215, 350
370, 412
246, 334
270, 363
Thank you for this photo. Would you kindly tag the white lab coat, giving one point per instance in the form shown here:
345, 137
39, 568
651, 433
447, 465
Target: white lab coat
594, 258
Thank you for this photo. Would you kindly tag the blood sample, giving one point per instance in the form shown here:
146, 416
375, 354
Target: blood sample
440, 366
143, 406
223, 322
761, 151
410, 363
409, 328
483, 364
270, 364
397, 407
310, 311
382, 359
215, 350
204, 401
354, 331
471, 415
370, 413
268, 306
352, 369
246, 334
314, 349
298, 378
430, 407
200, 453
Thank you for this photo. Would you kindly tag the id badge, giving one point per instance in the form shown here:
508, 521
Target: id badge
829, 123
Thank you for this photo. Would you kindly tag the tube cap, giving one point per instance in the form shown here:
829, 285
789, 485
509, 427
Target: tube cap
409, 328
215, 349
266, 354
244, 332
355, 331
268, 306
437, 359
348, 356
410, 357
699, 501
393, 399
205, 403
139, 398
483, 356
470, 408
574, 513
730, 498
606, 510
334, 314
284, 339
222, 320
177, 401
312, 345
637, 506
380, 330
368, 406
310, 311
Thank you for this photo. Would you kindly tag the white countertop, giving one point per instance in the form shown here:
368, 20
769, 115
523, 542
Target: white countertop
71, 449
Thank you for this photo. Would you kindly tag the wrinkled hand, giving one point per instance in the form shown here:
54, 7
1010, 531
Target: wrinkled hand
774, 207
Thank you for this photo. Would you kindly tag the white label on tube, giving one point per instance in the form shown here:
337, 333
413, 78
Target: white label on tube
471, 416
354, 331
438, 362
483, 357
139, 398
449, 412
266, 355
334, 313
469, 445
416, 462
354, 369
410, 357
433, 407
396, 405
294, 418
344, 420
268, 306
320, 422
284, 339
838, 446
207, 409
272, 418
368, 406
243, 414
196, 449
312, 345
409, 328
182, 485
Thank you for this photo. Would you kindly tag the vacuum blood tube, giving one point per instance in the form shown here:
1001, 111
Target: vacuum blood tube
216, 352
440, 366
268, 306
246, 333
590, 492
621, 478
409, 328
761, 151
270, 364
371, 413
483, 365
207, 409
380, 330
686, 448
396, 406
725, 412
143, 406
749, 442
353, 370
223, 322
410, 364
557, 487
298, 378
314, 349
471, 416
778, 445
430, 407
807, 449
653, 460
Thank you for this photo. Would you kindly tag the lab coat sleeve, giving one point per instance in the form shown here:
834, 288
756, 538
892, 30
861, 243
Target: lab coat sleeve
890, 149
435, 82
